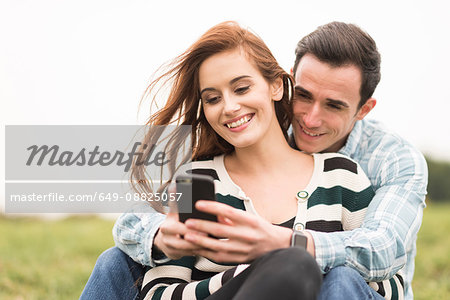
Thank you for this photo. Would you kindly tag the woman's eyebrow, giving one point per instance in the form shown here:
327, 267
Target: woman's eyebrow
239, 78
206, 89
234, 80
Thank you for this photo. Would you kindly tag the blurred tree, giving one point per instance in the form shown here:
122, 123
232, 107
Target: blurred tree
438, 180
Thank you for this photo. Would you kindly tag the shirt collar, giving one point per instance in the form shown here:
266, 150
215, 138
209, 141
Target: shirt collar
353, 139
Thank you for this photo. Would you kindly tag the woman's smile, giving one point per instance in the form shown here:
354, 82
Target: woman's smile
239, 123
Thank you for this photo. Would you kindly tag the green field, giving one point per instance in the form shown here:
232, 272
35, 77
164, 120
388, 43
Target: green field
432, 274
53, 259
49, 259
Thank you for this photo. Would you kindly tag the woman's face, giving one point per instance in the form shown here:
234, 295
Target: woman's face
236, 98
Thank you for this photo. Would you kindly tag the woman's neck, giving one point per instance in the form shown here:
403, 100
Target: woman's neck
271, 173
269, 155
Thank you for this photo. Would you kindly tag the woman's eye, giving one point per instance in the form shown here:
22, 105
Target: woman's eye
242, 90
211, 100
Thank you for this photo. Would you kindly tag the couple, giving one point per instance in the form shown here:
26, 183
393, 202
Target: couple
245, 110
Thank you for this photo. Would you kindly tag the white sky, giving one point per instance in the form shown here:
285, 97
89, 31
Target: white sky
88, 62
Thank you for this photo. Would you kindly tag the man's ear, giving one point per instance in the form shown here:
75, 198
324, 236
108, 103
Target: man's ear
366, 108
277, 89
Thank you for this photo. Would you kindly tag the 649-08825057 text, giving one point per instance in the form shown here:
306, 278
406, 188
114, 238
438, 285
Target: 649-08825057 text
95, 197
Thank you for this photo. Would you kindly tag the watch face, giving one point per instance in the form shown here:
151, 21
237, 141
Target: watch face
299, 240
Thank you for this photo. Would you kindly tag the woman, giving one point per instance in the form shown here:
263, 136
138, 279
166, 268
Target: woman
230, 88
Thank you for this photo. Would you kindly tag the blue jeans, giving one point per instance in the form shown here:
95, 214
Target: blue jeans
115, 276
345, 283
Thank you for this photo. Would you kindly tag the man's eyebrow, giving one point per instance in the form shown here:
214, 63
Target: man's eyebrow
330, 100
231, 82
304, 91
338, 102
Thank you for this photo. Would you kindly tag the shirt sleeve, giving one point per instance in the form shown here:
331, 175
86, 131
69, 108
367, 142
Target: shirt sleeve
135, 230
173, 281
378, 249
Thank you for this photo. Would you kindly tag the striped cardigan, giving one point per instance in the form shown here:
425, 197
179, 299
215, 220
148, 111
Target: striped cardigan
335, 199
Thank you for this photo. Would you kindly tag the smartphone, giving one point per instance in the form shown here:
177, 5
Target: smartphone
194, 187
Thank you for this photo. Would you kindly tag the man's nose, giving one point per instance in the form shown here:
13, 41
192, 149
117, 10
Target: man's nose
313, 117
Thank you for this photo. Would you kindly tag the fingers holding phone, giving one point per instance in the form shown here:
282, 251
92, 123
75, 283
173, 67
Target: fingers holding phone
169, 238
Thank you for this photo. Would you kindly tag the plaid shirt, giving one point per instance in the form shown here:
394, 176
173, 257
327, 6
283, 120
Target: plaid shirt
385, 243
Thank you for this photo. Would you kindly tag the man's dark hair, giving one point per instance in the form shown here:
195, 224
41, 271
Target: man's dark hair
339, 44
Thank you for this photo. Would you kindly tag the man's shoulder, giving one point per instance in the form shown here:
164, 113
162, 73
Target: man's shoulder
384, 155
375, 131
371, 136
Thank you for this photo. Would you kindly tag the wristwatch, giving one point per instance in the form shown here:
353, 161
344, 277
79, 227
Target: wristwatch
299, 239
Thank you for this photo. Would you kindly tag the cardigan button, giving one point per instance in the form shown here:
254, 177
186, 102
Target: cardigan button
299, 226
302, 196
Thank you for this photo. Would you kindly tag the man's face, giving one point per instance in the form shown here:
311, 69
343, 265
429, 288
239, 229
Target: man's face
325, 104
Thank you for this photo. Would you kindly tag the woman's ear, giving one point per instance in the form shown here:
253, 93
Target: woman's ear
277, 89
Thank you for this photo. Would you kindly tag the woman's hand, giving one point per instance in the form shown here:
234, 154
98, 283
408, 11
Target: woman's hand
243, 236
169, 238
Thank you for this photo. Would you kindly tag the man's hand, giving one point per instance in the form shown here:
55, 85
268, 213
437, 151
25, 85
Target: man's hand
243, 236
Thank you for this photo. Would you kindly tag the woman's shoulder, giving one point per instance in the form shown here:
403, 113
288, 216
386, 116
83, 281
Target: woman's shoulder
340, 169
333, 161
207, 166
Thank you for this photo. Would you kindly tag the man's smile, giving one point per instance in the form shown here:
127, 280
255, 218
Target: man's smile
307, 132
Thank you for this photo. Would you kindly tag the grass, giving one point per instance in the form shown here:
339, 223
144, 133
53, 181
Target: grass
432, 273
53, 259
49, 259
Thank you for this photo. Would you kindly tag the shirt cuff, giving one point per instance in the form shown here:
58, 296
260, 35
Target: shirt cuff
329, 249
149, 242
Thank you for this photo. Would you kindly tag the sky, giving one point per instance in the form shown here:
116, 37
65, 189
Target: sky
89, 62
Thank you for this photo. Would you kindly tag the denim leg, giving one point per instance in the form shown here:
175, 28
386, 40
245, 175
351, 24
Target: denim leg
347, 284
115, 276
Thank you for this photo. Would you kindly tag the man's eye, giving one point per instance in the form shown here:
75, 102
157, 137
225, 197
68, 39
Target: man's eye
334, 106
242, 90
301, 96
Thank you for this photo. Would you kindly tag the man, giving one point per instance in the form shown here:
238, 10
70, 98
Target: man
333, 93
336, 71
